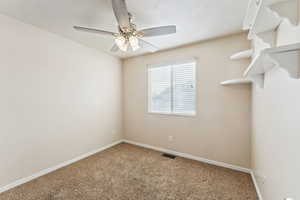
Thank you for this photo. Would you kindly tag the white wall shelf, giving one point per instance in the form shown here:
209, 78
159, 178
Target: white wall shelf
271, 2
265, 20
258, 10
258, 44
242, 55
288, 33
286, 57
275, 40
236, 81
259, 65
252, 9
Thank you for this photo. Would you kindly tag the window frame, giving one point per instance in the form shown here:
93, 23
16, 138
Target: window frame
193, 60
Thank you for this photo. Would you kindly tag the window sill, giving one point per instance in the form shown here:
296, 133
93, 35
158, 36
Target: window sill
173, 114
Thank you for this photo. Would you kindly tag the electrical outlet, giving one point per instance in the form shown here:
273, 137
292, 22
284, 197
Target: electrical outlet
171, 138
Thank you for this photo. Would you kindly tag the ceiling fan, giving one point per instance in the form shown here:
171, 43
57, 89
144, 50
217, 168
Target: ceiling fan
128, 35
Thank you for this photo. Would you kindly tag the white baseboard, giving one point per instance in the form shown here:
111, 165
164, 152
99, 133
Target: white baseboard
51, 169
212, 162
256, 186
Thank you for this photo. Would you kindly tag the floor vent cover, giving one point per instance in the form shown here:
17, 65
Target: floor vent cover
169, 156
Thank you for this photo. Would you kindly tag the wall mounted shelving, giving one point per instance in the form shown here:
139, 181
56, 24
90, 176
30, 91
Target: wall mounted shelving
258, 44
265, 20
259, 65
286, 57
252, 9
275, 40
236, 81
260, 18
288, 33
243, 54
259, 13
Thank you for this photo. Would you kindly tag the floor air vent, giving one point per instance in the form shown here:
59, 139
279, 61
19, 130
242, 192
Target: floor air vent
169, 156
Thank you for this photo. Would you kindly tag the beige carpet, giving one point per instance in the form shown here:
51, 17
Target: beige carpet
127, 172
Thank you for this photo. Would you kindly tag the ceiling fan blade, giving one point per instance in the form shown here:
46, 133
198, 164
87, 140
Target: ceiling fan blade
114, 48
146, 45
121, 13
91, 30
157, 31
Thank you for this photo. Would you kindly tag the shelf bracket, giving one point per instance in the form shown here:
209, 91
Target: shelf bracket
258, 79
289, 61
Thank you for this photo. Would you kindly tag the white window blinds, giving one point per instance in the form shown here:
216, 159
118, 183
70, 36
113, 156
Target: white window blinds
160, 93
172, 89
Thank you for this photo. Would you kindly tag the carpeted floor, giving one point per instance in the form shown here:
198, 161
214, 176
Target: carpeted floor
127, 172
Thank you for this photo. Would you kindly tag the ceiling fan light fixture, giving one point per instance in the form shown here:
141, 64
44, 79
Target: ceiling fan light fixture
134, 42
128, 34
121, 43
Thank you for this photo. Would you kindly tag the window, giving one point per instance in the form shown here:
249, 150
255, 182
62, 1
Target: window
172, 88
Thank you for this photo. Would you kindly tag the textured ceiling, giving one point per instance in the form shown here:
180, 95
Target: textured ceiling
196, 20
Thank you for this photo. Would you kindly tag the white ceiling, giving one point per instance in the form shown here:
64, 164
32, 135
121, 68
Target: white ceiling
196, 20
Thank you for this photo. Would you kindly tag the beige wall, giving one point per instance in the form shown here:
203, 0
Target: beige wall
58, 100
276, 137
221, 129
